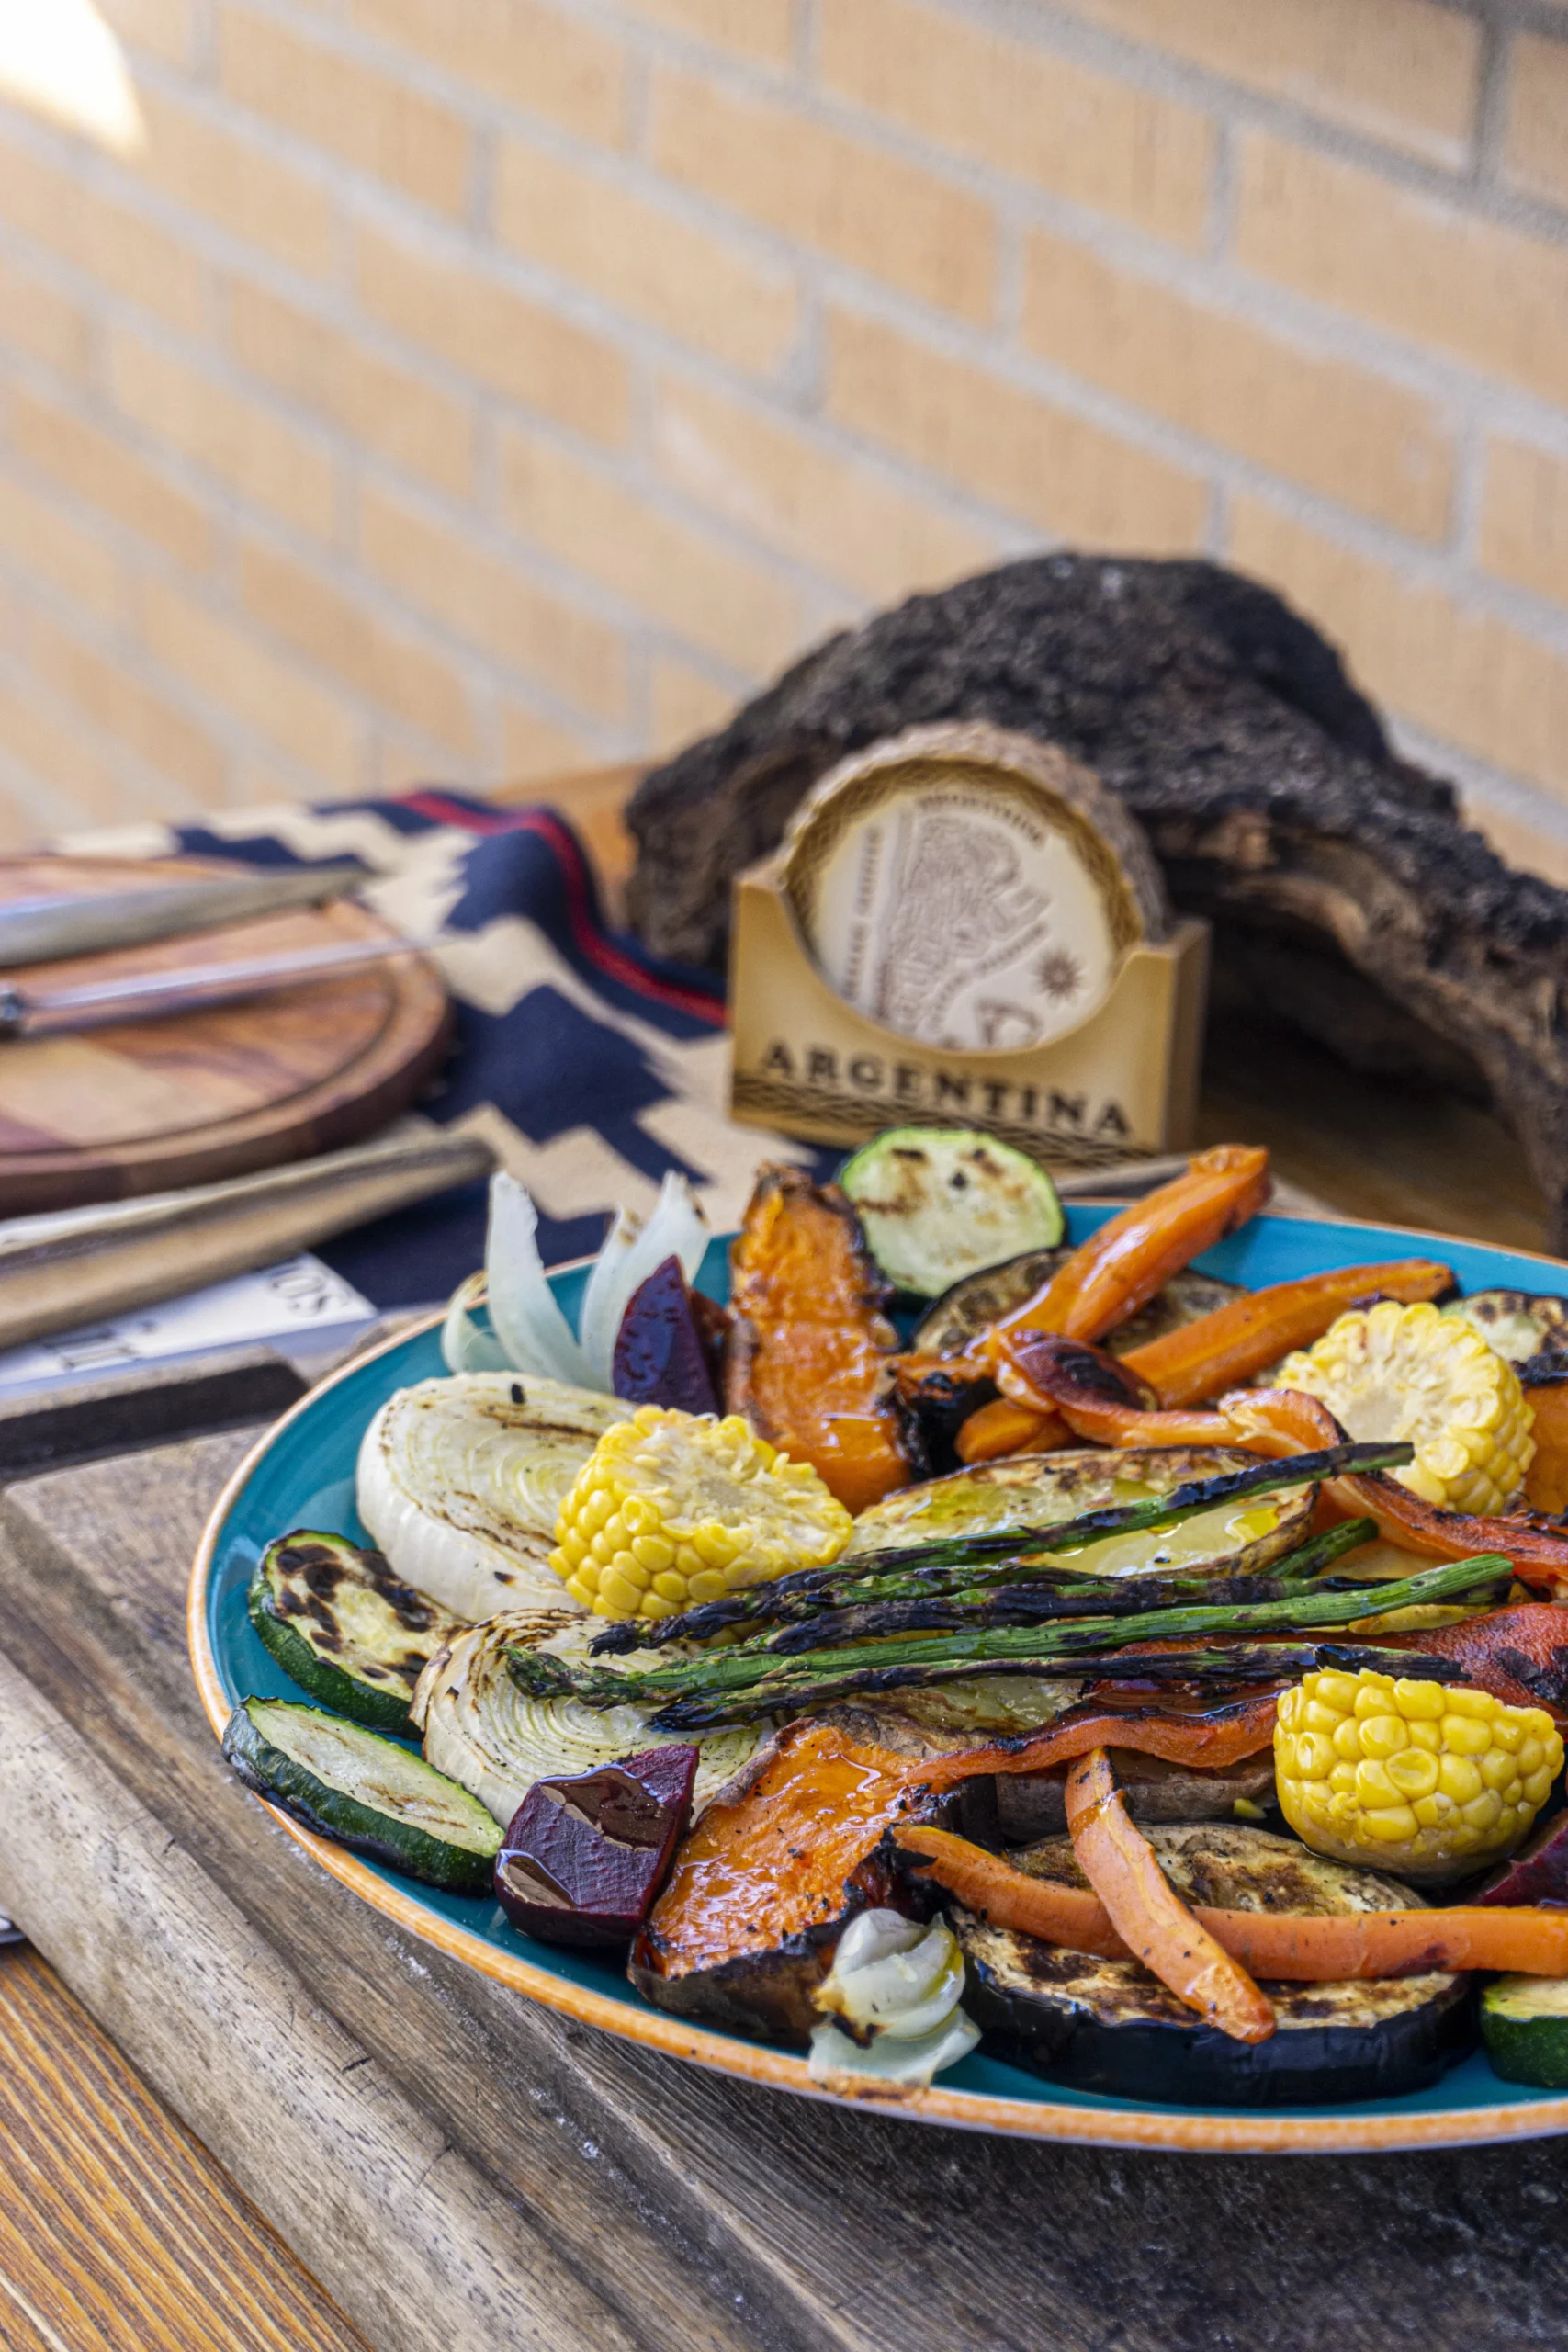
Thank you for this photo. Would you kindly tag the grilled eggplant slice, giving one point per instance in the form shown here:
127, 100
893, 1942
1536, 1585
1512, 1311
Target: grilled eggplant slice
363, 1791
941, 1203
342, 1626
1108, 2025
1234, 1539
1031, 1805
972, 1306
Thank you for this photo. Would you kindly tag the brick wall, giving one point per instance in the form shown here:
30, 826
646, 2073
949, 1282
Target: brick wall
473, 387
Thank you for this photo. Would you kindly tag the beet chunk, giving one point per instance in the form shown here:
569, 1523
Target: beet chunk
585, 1857
1536, 1874
660, 1354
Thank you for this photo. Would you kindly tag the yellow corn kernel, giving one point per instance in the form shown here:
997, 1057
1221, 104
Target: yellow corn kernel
1408, 1372
674, 1508
1419, 1778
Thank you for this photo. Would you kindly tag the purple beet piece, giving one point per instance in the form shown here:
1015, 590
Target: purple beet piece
660, 1357
585, 1857
1536, 1874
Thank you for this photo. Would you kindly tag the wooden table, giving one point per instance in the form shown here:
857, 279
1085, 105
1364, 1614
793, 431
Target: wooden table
119, 2229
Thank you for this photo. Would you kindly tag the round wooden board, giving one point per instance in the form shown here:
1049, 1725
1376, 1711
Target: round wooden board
199, 1095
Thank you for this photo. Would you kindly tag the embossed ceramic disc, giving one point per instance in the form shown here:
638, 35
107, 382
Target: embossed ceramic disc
970, 888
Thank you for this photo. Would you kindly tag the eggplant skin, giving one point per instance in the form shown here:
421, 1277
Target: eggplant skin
1105, 2025
1034, 1804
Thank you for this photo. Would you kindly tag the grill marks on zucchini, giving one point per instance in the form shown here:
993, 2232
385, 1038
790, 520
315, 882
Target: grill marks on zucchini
346, 1628
941, 1203
350, 1784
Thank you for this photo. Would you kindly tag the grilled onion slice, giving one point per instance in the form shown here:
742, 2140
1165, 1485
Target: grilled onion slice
460, 1483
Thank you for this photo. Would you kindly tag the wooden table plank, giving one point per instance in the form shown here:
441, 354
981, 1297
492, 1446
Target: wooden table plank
117, 2228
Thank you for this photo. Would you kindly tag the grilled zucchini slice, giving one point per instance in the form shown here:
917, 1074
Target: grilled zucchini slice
971, 1306
938, 1204
363, 1791
342, 1626
1517, 1323
1524, 2023
1108, 2025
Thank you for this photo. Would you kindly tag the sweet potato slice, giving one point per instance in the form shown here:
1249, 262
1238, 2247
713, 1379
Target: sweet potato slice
806, 1361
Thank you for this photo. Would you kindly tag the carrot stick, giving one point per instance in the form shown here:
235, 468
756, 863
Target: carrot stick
1253, 1331
1147, 1913
1120, 1268
1545, 1480
1003, 1428
1295, 1947
1211, 1741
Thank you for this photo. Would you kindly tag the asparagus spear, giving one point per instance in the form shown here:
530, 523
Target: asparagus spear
799, 1681
964, 1558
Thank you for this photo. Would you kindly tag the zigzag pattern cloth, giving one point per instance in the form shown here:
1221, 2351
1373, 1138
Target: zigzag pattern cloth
589, 1066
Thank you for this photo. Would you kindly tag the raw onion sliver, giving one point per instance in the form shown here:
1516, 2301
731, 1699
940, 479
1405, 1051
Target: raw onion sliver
524, 1310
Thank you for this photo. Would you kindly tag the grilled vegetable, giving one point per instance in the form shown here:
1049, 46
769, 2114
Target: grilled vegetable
582, 1859
1524, 2024
1430, 1781
971, 1306
1147, 1913
1236, 1538
1544, 1380
1538, 1873
342, 1626
1034, 1805
661, 1355
494, 1739
1393, 1370
1105, 2024
1517, 1323
1001, 1429
1121, 1268
898, 1988
805, 1362
1521, 1655
1243, 1338
461, 1481
673, 1509
939, 1203
366, 1793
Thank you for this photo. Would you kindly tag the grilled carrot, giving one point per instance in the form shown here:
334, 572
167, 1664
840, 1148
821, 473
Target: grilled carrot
1235, 1342
1002, 1427
1147, 1913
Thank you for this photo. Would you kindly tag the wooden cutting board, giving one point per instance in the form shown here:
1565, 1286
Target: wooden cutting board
465, 2171
156, 1103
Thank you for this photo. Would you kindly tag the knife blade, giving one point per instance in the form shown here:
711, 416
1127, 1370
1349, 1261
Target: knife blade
147, 996
41, 930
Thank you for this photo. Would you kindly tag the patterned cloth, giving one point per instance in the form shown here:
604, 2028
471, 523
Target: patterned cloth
591, 1067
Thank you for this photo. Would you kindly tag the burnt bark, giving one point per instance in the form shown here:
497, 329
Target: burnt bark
1349, 898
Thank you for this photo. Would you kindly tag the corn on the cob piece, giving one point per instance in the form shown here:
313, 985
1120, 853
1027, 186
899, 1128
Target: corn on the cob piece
1409, 1372
674, 1508
1422, 1778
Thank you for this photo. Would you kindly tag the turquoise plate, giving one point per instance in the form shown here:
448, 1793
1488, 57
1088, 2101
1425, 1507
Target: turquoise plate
301, 1475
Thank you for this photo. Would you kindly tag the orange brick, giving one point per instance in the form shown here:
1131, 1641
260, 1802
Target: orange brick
1535, 148
1317, 420
119, 700
759, 29
731, 607
1402, 69
811, 183
515, 347
62, 757
37, 319
226, 667
383, 408
646, 258
383, 666
42, 543
492, 606
840, 516
1081, 134
532, 746
233, 183
163, 27
685, 704
1022, 452
95, 467
376, 123
526, 55
103, 239
1460, 673
1492, 296
1523, 517
236, 440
